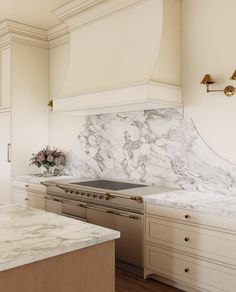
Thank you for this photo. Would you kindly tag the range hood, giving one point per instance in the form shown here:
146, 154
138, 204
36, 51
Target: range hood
124, 56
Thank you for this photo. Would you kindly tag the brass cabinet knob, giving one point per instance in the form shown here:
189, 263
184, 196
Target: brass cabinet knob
187, 216
186, 238
186, 270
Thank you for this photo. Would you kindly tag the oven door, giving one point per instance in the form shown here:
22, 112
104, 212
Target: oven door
53, 205
74, 210
101, 216
129, 247
67, 208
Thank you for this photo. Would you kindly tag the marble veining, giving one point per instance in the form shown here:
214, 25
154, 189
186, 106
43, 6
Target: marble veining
29, 235
209, 203
153, 146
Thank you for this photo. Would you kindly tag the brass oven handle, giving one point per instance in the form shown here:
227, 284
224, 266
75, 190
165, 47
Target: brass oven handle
100, 209
8, 152
73, 203
54, 199
74, 217
68, 188
127, 216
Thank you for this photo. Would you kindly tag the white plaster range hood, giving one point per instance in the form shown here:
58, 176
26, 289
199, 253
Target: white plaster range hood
124, 56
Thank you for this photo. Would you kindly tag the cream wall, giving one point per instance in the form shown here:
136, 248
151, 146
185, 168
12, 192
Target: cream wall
64, 129
209, 46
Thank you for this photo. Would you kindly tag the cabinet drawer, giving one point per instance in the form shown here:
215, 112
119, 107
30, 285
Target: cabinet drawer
201, 242
191, 217
188, 270
20, 197
36, 201
29, 186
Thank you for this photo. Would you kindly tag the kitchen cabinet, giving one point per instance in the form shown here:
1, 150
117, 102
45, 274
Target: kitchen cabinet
190, 248
5, 159
42, 252
29, 194
5, 83
23, 94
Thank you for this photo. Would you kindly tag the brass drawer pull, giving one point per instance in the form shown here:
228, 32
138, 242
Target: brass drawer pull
26, 199
187, 216
186, 270
127, 216
186, 239
26, 186
9, 152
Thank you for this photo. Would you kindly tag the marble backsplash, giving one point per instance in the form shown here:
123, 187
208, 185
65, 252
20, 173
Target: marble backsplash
153, 146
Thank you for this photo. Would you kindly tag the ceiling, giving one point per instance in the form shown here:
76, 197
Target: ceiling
32, 12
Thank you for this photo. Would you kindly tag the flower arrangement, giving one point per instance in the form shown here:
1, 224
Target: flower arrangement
48, 158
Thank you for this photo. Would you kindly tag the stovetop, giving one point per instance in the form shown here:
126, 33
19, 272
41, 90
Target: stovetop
109, 185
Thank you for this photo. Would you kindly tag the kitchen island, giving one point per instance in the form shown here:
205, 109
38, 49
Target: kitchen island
45, 252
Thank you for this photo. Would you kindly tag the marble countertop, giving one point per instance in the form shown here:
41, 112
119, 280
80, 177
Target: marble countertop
29, 235
37, 178
210, 203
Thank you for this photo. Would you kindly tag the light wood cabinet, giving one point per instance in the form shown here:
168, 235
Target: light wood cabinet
190, 248
29, 194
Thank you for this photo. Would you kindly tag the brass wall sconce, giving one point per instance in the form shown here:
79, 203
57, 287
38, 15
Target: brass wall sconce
228, 90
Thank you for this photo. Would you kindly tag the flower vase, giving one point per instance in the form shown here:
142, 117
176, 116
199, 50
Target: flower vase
47, 170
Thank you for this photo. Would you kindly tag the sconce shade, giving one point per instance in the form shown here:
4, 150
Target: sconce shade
233, 76
207, 79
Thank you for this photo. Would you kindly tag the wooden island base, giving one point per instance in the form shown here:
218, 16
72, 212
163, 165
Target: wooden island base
90, 269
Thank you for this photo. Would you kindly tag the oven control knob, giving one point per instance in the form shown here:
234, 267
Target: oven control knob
94, 196
100, 197
88, 195
81, 194
71, 192
76, 193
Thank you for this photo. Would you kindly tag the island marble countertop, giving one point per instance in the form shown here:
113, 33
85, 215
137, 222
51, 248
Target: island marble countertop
210, 203
29, 235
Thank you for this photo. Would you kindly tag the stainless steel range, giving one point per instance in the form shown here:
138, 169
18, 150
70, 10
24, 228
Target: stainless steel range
112, 204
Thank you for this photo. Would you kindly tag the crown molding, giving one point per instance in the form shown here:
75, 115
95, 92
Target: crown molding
74, 7
82, 12
58, 35
10, 26
14, 31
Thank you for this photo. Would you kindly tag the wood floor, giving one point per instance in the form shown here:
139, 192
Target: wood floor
128, 282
